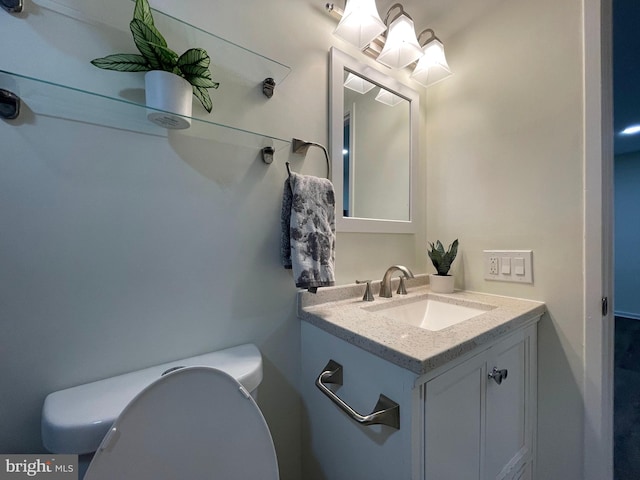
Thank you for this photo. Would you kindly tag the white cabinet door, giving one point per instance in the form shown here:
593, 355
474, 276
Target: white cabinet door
507, 437
477, 428
454, 422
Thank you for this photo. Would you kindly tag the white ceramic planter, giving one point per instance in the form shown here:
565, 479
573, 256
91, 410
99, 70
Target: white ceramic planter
441, 283
170, 93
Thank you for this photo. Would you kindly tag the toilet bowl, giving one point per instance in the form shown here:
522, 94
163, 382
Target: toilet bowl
198, 420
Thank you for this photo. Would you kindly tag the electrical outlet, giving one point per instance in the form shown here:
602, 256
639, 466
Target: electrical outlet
493, 265
508, 265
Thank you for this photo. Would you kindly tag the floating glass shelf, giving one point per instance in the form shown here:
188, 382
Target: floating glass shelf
248, 65
60, 101
121, 105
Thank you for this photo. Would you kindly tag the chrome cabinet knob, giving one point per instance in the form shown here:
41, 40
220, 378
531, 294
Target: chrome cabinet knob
498, 375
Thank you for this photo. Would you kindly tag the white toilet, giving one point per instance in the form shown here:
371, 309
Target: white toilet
195, 422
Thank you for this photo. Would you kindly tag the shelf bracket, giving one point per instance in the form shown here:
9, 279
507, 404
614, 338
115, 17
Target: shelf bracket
9, 104
12, 6
268, 86
267, 155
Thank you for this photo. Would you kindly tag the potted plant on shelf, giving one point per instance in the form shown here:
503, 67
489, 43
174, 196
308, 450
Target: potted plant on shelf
171, 79
442, 282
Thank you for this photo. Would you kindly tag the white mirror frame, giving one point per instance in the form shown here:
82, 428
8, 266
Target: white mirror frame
338, 63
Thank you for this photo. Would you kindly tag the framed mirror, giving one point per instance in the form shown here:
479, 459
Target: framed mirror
374, 147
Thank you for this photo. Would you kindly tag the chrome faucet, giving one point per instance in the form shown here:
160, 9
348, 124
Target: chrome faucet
385, 286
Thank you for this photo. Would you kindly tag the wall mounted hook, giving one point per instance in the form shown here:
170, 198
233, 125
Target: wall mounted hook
301, 146
268, 86
267, 155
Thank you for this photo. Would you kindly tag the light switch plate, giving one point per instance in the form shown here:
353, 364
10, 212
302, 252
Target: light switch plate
512, 265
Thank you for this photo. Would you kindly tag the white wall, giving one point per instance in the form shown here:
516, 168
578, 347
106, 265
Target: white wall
120, 250
627, 234
505, 171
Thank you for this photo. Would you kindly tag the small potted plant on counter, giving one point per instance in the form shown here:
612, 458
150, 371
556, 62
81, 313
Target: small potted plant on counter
171, 79
442, 282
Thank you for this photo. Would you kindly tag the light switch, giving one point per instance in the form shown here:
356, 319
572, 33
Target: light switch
518, 265
508, 265
505, 265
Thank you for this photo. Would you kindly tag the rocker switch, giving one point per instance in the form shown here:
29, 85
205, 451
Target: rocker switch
505, 265
518, 265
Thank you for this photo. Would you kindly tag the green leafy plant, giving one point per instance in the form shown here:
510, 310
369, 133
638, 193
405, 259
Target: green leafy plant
192, 65
442, 260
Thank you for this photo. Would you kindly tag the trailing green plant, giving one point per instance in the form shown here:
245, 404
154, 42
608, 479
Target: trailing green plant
192, 65
442, 260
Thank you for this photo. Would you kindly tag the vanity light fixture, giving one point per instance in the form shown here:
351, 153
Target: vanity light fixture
388, 98
357, 84
397, 47
432, 66
360, 23
362, 86
401, 47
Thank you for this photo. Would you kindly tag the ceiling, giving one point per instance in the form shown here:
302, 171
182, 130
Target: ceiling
626, 73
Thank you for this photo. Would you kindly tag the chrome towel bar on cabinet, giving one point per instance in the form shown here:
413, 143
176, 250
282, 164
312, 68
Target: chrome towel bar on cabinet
386, 411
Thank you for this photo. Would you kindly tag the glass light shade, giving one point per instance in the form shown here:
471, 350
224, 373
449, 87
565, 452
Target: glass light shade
388, 98
401, 47
360, 23
357, 84
432, 66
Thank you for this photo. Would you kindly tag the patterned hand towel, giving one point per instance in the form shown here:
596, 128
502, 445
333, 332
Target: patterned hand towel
308, 231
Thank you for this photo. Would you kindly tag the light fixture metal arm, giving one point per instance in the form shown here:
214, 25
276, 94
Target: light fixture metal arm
398, 5
431, 37
331, 8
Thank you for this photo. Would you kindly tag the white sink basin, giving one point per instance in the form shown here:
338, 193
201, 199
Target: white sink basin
431, 314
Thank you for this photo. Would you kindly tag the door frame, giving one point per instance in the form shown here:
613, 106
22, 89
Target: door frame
598, 239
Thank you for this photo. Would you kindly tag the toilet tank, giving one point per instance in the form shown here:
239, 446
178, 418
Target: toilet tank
75, 420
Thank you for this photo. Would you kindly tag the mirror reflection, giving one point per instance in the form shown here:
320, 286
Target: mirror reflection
374, 137
376, 151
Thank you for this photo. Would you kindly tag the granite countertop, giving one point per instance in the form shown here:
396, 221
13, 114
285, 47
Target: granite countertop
341, 312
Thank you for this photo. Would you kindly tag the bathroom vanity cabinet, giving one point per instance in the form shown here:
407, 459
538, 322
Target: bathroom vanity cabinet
458, 420
455, 422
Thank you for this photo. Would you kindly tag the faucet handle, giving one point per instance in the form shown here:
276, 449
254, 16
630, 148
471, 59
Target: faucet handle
368, 296
402, 289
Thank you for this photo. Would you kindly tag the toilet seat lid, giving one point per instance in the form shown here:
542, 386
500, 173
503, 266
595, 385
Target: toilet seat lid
196, 422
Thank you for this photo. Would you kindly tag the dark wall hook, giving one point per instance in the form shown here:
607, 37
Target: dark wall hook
268, 86
267, 155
